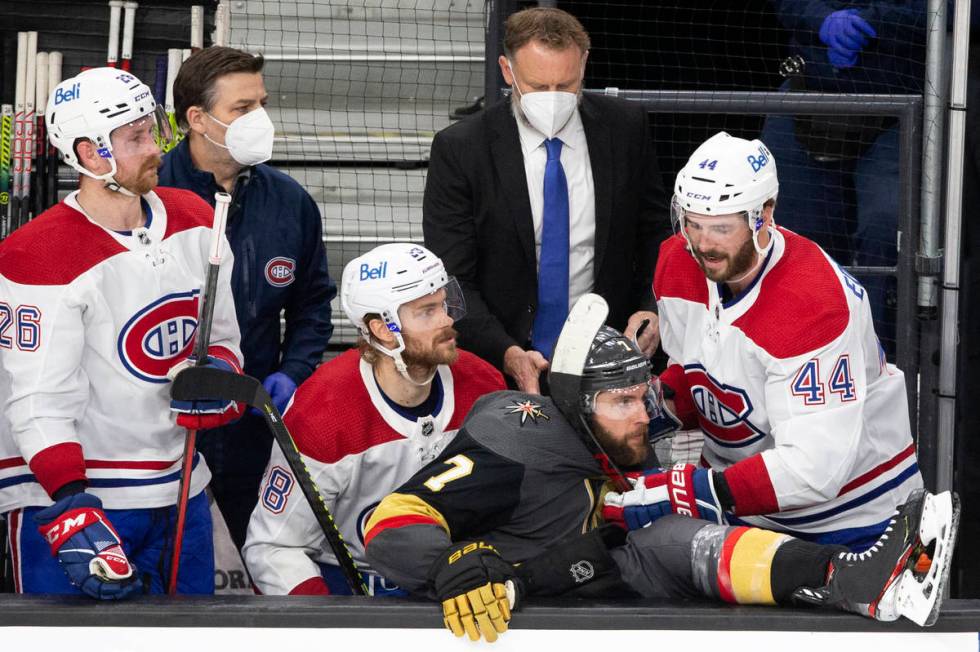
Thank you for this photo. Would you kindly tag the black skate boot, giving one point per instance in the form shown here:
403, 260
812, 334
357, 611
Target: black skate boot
904, 572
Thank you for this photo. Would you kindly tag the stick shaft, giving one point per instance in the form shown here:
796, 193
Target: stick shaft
197, 27
129, 26
115, 11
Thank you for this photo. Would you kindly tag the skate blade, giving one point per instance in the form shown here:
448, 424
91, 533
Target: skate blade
917, 599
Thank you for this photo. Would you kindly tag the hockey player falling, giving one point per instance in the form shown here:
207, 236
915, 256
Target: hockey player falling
100, 300
521, 477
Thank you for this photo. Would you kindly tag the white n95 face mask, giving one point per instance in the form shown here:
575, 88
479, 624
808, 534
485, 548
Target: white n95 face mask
249, 138
547, 111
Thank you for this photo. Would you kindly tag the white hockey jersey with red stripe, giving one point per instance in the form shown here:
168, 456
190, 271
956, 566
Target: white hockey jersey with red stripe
791, 388
358, 449
91, 320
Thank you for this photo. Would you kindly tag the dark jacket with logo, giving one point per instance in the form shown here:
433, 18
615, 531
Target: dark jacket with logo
275, 232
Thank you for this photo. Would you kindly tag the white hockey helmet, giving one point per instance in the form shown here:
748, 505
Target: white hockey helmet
726, 175
389, 276
92, 105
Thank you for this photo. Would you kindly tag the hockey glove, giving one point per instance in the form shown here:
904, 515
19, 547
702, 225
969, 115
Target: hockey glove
845, 34
88, 548
201, 415
281, 388
683, 489
476, 588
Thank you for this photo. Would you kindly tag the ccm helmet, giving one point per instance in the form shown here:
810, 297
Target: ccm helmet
389, 276
726, 175
92, 105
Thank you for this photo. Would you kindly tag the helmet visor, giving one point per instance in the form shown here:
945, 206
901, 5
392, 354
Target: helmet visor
430, 311
135, 138
636, 403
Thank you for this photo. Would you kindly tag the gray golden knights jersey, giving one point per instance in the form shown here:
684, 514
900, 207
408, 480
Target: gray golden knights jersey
517, 476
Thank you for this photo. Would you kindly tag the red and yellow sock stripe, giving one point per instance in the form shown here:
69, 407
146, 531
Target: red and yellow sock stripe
745, 565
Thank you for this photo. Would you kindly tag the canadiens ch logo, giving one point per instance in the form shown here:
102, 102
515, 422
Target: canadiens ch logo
280, 271
527, 409
723, 410
159, 335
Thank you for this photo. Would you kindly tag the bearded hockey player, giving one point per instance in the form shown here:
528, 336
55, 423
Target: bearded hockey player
367, 420
774, 356
522, 475
100, 300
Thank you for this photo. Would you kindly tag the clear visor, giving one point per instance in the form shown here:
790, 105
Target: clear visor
677, 215
430, 311
635, 404
136, 137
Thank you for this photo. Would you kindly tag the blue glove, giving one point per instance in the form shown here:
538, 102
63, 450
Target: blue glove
684, 489
281, 388
845, 34
88, 548
201, 415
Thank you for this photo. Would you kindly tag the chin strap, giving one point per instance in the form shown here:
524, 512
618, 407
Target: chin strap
114, 186
396, 356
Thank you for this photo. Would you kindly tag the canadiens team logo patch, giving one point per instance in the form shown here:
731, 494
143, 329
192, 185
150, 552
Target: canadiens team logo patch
723, 410
280, 271
159, 335
527, 410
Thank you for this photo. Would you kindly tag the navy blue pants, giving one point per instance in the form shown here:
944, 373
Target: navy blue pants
147, 539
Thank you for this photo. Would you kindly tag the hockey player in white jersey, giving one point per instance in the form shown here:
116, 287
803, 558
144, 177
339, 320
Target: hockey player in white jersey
98, 301
367, 420
774, 356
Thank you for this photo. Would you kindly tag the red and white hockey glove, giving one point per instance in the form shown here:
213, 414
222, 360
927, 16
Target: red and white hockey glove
201, 415
88, 547
683, 489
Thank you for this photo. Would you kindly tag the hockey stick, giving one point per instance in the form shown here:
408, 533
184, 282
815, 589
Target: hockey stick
567, 363
197, 27
197, 383
51, 167
6, 134
129, 25
40, 134
28, 148
18, 142
115, 11
222, 24
221, 202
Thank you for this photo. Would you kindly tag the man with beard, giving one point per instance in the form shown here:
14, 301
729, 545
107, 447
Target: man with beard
774, 356
367, 420
544, 197
507, 511
100, 301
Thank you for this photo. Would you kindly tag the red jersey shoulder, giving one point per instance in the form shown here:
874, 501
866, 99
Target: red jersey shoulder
55, 248
678, 275
801, 305
473, 377
332, 415
185, 210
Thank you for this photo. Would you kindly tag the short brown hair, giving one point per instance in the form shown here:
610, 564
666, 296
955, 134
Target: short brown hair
367, 351
195, 82
555, 28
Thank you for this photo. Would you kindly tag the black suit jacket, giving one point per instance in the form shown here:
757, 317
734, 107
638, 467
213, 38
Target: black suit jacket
476, 216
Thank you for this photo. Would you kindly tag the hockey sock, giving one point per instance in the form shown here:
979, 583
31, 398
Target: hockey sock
735, 564
800, 563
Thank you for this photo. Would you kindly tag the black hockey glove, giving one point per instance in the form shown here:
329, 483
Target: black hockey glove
578, 565
477, 589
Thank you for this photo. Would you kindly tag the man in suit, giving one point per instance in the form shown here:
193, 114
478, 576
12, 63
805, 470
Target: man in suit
541, 198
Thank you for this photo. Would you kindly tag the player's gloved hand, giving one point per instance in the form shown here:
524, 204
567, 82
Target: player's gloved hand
88, 548
682, 489
281, 388
477, 588
201, 415
845, 34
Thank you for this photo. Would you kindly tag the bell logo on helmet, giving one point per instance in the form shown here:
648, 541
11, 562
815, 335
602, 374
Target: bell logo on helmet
370, 273
67, 94
758, 162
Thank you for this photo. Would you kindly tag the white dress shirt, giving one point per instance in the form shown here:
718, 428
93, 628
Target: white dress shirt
581, 198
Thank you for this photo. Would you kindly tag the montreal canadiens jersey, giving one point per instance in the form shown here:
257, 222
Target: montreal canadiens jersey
792, 390
91, 320
358, 449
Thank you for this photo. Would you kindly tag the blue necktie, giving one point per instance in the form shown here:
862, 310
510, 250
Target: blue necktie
553, 263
